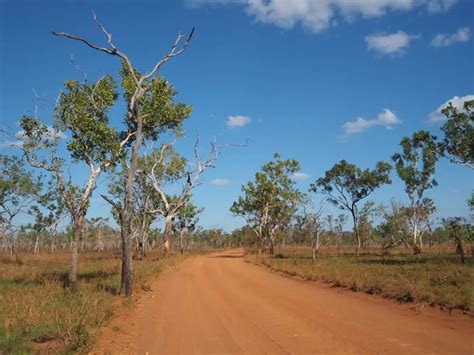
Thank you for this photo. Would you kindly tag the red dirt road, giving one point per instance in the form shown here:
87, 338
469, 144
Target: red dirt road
220, 304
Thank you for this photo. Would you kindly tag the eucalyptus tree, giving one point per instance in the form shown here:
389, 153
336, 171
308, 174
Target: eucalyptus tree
151, 111
48, 214
96, 226
345, 185
367, 213
457, 231
314, 224
18, 191
269, 202
164, 165
186, 221
415, 166
81, 123
340, 221
458, 141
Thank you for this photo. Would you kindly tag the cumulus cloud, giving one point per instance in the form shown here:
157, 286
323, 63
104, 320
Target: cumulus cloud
389, 43
220, 182
238, 121
318, 15
435, 6
386, 118
457, 102
445, 40
300, 176
51, 134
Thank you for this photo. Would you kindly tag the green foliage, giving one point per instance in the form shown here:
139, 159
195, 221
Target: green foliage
167, 164
272, 196
82, 112
416, 164
157, 106
458, 142
187, 217
346, 184
18, 188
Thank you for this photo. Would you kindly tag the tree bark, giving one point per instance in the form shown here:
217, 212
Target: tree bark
126, 227
272, 246
37, 243
356, 231
315, 247
77, 229
167, 234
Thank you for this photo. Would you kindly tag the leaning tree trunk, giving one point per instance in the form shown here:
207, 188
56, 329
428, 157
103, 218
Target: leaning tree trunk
76, 235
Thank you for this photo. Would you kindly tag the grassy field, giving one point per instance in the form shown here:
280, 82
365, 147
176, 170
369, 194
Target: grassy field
38, 314
435, 278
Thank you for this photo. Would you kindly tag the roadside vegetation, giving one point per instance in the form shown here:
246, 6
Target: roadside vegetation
62, 270
38, 313
436, 278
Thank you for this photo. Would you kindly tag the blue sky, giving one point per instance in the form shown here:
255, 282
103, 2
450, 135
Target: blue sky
315, 83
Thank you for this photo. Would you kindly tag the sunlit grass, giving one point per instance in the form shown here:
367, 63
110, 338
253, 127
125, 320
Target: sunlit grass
39, 314
436, 278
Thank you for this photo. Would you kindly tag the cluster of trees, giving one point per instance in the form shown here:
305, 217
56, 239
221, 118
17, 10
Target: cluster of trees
272, 205
80, 132
144, 172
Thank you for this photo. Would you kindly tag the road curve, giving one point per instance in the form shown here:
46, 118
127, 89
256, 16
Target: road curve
220, 304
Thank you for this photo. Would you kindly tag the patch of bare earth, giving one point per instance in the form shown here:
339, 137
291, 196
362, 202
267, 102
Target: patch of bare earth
220, 304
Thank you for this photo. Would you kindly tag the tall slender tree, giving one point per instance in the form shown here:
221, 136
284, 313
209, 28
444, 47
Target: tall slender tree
18, 191
80, 119
269, 202
151, 111
346, 185
416, 166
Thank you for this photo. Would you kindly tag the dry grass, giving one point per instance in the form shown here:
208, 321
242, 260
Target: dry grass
38, 314
436, 278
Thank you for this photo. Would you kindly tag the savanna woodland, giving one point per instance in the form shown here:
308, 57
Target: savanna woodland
98, 186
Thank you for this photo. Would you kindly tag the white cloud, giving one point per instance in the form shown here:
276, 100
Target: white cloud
52, 134
434, 6
389, 43
238, 121
300, 176
220, 182
386, 118
445, 40
458, 103
318, 15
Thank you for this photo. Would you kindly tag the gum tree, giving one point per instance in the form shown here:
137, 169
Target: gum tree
415, 166
345, 185
163, 166
18, 191
49, 212
81, 121
150, 112
458, 141
269, 202
186, 221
